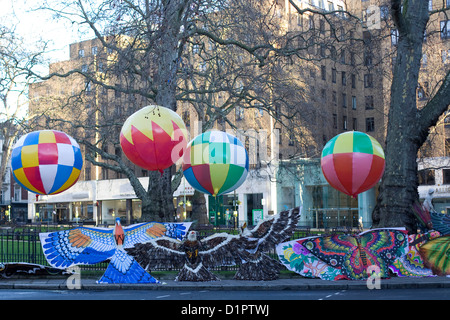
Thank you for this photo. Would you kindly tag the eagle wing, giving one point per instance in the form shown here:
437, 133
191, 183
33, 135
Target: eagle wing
157, 253
82, 245
222, 249
270, 232
143, 232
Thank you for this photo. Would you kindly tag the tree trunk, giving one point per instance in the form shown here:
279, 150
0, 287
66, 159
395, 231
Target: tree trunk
398, 188
199, 209
168, 51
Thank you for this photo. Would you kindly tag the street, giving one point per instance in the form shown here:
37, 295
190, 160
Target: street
254, 295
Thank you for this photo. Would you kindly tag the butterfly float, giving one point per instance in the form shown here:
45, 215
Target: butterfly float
195, 256
91, 245
356, 256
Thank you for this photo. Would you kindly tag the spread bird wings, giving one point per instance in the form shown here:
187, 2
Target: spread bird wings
217, 249
223, 249
270, 232
81, 245
143, 232
92, 245
158, 253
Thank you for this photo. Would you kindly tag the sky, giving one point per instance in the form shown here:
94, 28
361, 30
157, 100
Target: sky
34, 25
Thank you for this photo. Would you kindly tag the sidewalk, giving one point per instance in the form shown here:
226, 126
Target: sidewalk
280, 284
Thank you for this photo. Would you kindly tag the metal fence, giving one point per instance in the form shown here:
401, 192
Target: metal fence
22, 244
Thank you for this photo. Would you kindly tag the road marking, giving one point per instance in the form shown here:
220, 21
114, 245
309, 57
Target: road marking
160, 297
183, 293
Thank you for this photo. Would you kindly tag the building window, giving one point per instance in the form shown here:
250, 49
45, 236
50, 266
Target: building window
239, 113
369, 102
333, 75
323, 72
94, 51
334, 120
354, 102
344, 78
344, 100
446, 176
353, 81
344, 122
370, 124
368, 80
355, 124
394, 37
426, 177
81, 53
445, 29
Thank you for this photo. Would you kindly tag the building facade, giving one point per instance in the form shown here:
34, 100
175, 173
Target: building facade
341, 84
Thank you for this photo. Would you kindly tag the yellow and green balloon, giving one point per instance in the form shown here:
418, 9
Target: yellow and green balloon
215, 163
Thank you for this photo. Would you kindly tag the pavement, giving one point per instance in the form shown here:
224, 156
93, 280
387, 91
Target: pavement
294, 283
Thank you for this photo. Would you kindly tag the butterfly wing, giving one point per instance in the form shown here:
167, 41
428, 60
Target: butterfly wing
441, 222
296, 258
144, 232
82, 245
380, 247
436, 255
338, 251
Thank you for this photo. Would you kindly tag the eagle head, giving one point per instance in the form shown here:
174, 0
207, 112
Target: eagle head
192, 235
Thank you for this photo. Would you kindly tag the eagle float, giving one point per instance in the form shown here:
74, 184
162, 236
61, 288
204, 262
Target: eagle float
195, 256
92, 245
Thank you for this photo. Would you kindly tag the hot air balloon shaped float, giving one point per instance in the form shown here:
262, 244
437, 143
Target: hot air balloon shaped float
92, 245
46, 162
352, 162
153, 138
215, 163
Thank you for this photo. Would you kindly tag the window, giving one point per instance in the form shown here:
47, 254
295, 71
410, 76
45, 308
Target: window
344, 100
370, 124
394, 37
88, 87
333, 98
369, 102
344, 78
343, 56
353, 81
334, 120
323, 72
445, 54
426, 177
445, 29
344, 122
84, 68
368, 60
333, 75
330, 6
368, 80
94, 51
446, 176
355, 124
81, 53
239, 113
354, 102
